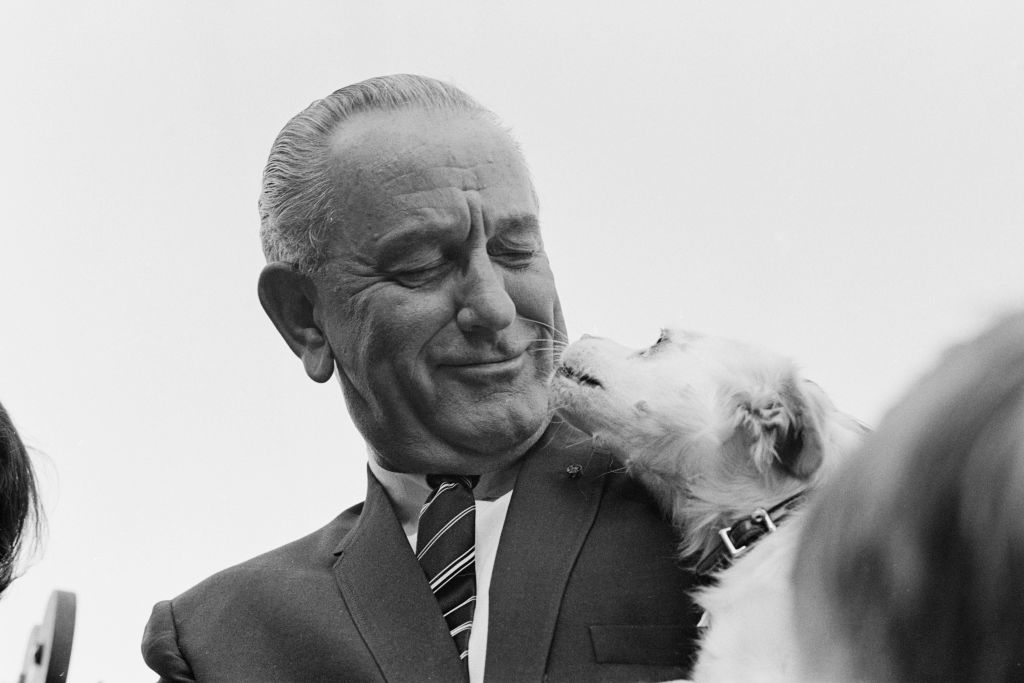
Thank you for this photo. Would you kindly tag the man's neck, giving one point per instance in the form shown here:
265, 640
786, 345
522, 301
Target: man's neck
408, 492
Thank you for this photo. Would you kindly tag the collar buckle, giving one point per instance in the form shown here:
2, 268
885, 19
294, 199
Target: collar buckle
761, 518
741, 535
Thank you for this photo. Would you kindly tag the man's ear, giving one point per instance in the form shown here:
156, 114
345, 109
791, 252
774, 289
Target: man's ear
289, 297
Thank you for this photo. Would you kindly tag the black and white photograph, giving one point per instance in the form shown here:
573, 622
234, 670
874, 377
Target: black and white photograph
534, 341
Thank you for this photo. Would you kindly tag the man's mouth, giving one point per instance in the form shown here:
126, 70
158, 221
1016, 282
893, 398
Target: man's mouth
484, 360
578, 375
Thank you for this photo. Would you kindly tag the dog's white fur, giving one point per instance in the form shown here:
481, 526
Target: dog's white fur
715, 429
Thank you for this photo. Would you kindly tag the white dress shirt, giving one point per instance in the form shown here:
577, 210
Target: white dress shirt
408, 492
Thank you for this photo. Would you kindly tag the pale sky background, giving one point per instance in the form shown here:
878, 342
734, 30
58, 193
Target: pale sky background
840, 181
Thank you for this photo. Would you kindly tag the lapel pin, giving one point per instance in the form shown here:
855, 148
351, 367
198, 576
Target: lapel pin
574, 471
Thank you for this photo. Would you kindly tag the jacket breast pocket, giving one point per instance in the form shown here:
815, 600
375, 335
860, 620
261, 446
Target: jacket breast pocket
666, 645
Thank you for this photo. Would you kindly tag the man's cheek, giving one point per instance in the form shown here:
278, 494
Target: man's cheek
534, 294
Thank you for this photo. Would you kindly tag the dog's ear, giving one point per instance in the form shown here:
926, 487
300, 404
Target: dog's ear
783, 431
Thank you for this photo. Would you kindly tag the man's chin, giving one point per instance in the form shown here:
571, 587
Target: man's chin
505, 435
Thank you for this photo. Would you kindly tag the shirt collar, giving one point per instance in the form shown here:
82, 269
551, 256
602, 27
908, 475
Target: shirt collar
408, 492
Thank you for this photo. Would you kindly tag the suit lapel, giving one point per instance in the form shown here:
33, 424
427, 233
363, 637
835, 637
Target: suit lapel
389, 599
549, 516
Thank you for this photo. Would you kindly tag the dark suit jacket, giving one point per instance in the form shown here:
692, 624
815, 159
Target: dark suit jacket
585, 587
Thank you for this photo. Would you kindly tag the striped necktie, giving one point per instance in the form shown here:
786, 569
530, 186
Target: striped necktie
446, 549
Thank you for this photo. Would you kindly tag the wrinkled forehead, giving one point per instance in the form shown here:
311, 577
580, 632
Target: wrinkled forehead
390, 164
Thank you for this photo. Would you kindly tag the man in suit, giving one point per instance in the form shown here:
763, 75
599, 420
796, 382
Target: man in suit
404, 254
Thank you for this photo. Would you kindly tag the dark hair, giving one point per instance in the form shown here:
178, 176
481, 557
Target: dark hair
912, 561
295, 199
19, 502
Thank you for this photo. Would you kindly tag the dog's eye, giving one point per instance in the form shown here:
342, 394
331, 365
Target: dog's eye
663, 337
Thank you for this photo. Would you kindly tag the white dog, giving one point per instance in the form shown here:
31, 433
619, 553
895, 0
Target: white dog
729, 438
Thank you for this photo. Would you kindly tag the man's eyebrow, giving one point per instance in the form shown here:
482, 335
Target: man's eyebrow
401, 243
519, 222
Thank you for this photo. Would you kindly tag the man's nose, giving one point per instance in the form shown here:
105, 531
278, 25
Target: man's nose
483, 301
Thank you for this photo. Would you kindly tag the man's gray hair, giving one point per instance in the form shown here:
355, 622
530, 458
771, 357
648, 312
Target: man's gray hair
296, 207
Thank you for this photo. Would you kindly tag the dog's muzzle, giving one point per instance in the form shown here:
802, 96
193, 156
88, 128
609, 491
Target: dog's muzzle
577, 376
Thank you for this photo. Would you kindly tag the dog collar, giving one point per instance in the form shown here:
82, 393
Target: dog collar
739, 537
